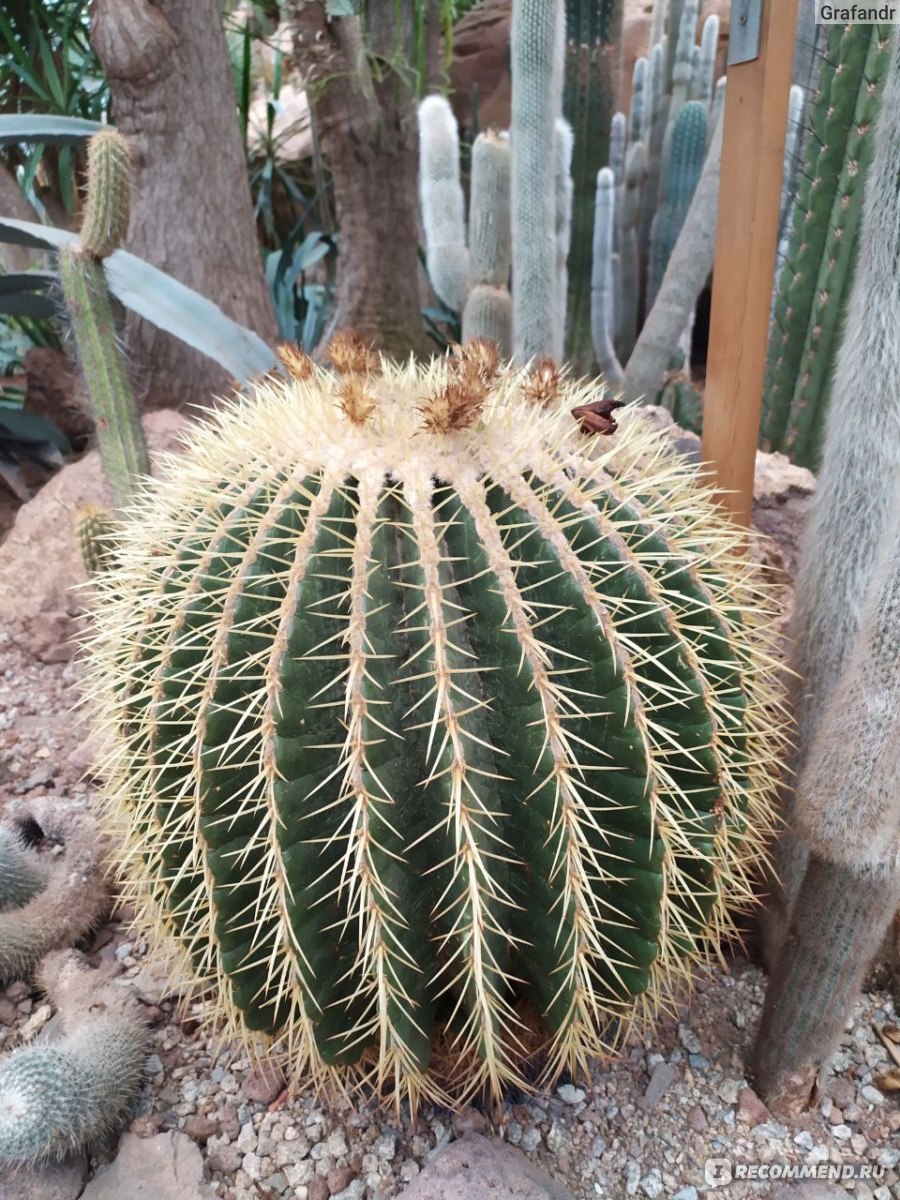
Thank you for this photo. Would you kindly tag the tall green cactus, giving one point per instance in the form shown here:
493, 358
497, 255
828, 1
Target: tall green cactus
840, 878
603, 303
103, 229
592, 34
682, 173
413, 716
473, 278
817, 274
64, 1096
537, 56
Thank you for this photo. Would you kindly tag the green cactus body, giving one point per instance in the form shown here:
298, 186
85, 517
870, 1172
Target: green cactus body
488, 307
537, 50
95, 531
590, 61
563, 187
60, 1097
685, 163
443, 203
415, 717
635, 174
603, 282
636, 117
817, 274
104, 223
119, 434
23, 872
704, 74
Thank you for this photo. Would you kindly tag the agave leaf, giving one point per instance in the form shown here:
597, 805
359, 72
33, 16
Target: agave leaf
25, 281
29, 429
46, 127
163, 301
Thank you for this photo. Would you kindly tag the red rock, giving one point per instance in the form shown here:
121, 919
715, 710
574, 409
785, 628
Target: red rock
469, 1120
317, 1189
751, 1109
696, 1119
264, 1083
340, 1178
201, 1129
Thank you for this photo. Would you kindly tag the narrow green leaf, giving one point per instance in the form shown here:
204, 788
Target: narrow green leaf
45, 127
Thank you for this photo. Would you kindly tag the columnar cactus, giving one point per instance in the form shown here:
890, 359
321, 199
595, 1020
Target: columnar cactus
103, 230
422, 706
537, 55
603, 303
681, 175
816, 277
95, 532
63, 1096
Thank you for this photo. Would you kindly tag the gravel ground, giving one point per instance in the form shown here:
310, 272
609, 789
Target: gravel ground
644, 1127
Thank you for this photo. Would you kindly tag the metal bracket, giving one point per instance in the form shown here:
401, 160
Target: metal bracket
745, 31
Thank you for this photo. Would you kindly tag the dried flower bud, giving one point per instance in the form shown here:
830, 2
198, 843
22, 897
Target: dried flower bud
296, 362
349, 353
597, 417
357, 402
544, 381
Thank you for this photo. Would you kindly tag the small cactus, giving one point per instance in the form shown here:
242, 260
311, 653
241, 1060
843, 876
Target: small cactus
64, 1096
23, 872
69, 906
95, 531
122, 446
603, 309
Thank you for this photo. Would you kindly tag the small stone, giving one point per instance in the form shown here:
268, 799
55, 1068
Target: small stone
409, 1171
570, 1094
835, 1116
858, 1143
841, 1132
842, 1092
201, 1129
124, 950
871, 1095
355, 1191
247, 1138
750, 1108
557, 1137
689, 1040
469, 1120
598, 1147
804, 1139
729, 1090
664, 1075
818, 1154
652, 1184
696, 1120
317, 1189
229, 1122
686, 1193
340, 1178
698, 1063
336, 1144
514, 1133
251, 1166
385, 1147
8, 1012
531, 1139
632, 1177
154, 1064
264, 1083
146, 1126
888, 1159
223, 1157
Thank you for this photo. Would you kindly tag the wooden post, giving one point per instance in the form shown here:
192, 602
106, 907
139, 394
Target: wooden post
756, 105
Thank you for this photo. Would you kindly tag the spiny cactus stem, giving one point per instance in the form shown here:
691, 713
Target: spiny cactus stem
104, 225
121, 439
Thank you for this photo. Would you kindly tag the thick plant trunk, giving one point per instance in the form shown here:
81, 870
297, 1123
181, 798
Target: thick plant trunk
173, 96
366, 122
837, 925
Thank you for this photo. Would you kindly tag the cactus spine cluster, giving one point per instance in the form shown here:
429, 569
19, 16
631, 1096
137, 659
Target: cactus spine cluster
842, 881
103, 230
95, 532
415, 716
656, 157
817, 274
58, 1098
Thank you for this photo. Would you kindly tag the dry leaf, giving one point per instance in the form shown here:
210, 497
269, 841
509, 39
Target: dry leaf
889, 1081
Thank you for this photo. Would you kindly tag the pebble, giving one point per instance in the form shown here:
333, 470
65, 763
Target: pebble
750, 1108
871, 1095
664, 1075
570, 1094
697, 1119
652, 1183
842, 1132
531, 1139
689, 1040
888, 1158
264, 1083
514, 1133
686, 1193
632, 1177
386, 1146
804, 1139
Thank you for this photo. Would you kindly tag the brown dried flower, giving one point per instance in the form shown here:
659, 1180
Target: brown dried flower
296, 361
597, 417
350, 353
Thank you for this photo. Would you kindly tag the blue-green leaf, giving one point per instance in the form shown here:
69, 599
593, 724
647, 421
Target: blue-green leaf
45, 127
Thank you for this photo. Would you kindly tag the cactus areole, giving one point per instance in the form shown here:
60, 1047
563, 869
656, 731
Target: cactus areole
441, 732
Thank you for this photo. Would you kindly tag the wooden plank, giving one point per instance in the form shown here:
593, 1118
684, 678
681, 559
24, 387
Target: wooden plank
756, 104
